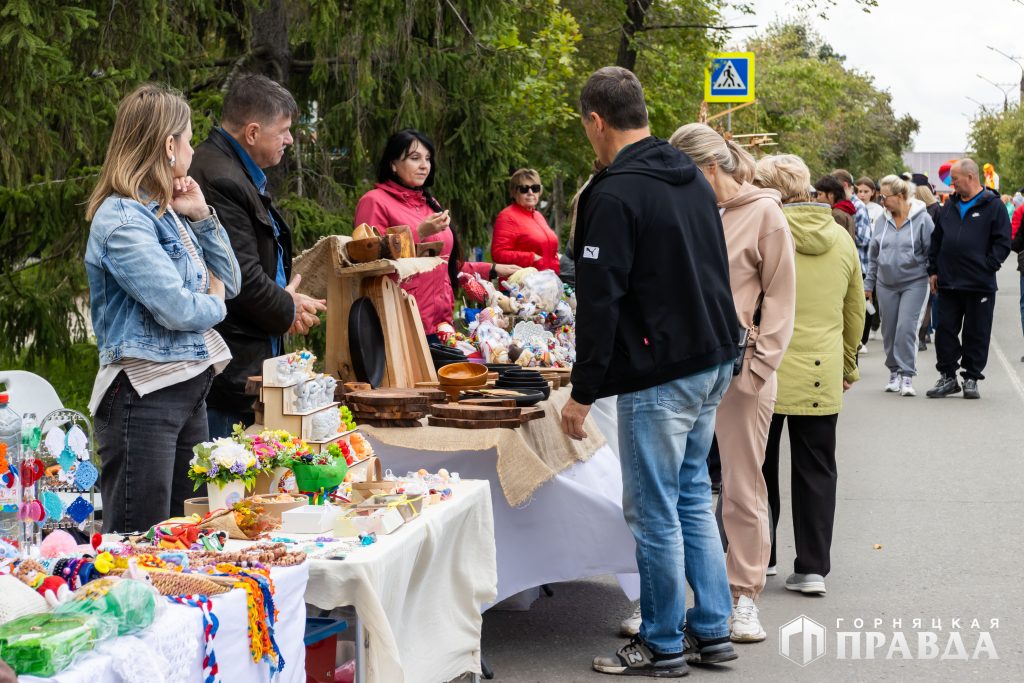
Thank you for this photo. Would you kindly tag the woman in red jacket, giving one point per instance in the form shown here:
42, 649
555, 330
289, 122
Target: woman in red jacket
521, 235
402, 197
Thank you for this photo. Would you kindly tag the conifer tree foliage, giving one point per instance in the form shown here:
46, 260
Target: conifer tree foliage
495, 84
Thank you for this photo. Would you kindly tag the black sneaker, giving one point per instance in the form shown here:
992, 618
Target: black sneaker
637, 659
946, 385
971, 388
714, 651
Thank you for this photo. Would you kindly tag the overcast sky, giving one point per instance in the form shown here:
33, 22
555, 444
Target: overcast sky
927, 53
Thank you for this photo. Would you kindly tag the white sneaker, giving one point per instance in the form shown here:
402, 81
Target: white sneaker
907, 386
863, 349
772, 570
873, 334
631, 626
745, 626
894, 382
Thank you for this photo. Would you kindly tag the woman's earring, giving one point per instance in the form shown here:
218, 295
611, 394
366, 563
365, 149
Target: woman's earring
172, 160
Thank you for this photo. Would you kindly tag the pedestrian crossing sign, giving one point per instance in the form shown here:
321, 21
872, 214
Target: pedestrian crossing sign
730, 77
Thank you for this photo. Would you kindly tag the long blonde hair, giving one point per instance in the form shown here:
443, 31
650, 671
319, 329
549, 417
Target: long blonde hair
136, 161
704, 145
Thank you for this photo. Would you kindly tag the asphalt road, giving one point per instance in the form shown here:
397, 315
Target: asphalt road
928, 527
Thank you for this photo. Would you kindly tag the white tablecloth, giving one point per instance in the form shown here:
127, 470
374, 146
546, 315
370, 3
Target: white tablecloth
420, 590
170, 651
571, 529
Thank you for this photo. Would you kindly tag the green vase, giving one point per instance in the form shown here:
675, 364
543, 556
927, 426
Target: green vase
316, 478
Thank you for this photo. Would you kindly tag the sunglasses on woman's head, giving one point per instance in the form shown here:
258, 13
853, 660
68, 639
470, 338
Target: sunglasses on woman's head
523, 189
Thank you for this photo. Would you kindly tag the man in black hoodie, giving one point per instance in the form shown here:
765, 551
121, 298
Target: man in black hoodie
656, 325
969, 244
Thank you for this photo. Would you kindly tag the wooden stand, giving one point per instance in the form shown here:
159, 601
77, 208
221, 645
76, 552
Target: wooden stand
407, 353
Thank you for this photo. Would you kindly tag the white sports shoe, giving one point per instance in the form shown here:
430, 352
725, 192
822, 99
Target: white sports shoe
771, 571
863, 349
631, 625
745, 626
907, 386
894, 382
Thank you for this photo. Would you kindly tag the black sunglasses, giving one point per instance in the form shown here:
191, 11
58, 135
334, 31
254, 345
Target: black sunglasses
523, 189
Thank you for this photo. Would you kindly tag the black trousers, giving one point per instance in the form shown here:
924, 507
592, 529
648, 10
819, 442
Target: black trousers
145, 446
813, 479
714, 462
970, 313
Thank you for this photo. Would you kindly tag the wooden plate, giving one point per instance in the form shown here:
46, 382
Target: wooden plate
472, 424
385, 397
462, 411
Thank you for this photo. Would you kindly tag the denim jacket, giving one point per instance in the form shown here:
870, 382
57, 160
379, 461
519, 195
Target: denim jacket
144, 288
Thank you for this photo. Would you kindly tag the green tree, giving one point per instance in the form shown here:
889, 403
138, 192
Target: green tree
997, 137
831, 115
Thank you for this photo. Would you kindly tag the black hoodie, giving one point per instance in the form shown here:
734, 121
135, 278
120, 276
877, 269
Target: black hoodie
966, 252
652, 275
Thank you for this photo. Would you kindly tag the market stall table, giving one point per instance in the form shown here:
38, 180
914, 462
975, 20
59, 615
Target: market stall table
171, 649
419, 591
557, 502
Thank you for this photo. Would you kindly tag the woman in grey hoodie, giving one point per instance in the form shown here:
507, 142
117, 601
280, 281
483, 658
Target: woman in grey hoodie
898, 276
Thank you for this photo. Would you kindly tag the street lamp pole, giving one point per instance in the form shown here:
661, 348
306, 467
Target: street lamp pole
1015, 61
1002, 89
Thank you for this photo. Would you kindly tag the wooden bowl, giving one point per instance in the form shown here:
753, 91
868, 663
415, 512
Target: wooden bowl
365, 250
463, 375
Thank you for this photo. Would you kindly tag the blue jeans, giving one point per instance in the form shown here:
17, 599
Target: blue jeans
664, 436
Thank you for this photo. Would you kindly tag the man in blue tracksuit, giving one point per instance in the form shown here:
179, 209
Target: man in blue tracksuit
970, 242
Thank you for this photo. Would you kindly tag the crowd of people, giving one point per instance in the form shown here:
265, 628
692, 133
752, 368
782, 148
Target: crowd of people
719, 299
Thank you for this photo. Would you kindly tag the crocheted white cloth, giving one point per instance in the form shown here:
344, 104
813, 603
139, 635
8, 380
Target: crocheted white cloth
18, 600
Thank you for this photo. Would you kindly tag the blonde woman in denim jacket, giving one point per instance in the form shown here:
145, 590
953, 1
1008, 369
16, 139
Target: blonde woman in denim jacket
160, 267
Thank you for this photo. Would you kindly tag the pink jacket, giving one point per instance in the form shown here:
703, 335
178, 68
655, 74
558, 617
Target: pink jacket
390, 204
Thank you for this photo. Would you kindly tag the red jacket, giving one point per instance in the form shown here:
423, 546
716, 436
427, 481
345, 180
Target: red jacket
1015, 220
519, 235
390, 204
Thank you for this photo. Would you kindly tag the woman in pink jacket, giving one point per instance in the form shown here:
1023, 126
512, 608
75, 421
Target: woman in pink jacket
402, 197
762, 274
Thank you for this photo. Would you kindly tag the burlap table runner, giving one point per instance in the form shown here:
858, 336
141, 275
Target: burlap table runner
329, 256
528, 457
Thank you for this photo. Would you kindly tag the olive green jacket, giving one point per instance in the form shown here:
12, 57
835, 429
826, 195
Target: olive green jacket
829, 317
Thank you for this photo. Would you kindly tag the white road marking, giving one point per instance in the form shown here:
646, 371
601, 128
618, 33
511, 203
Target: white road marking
1010, 370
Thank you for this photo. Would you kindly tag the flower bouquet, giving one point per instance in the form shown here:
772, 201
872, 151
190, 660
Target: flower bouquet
316, 472
227, 467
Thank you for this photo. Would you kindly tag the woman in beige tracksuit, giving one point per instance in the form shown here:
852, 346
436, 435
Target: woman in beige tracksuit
763, 278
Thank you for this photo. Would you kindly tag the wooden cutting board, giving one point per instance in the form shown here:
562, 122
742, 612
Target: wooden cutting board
385, 397
418, 407
497, 402
532, 413
472, 424
389, 415
392, 423
469, 412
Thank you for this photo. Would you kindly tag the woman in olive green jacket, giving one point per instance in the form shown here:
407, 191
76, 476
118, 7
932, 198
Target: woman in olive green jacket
819, 365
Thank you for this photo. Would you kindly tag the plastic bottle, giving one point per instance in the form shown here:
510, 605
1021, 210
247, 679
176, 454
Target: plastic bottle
10, 496
31, 436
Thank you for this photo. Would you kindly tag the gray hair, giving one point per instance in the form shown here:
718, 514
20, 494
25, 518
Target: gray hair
786, 173
254, 98
968, 166
615, 94
701, 143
